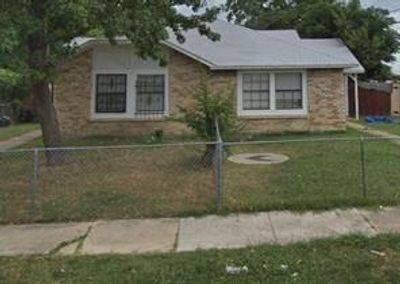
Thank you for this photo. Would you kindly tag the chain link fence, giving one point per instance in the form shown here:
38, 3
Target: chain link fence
163, 180
105, 182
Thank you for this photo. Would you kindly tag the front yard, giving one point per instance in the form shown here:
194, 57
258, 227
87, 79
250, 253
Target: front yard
16, 130
347, 260
162, 181
392, 128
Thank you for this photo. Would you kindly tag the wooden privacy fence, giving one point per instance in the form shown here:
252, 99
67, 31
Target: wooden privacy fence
374, 99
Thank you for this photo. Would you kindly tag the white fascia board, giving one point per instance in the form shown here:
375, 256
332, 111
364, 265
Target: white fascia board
281, 67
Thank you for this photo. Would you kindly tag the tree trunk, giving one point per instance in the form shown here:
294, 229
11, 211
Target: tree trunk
40, 65
208, 158
47, 115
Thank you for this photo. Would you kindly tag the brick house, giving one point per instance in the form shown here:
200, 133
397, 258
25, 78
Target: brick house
280, 82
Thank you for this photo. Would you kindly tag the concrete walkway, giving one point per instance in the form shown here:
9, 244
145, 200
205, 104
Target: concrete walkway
374, 132
19, 140
190, 234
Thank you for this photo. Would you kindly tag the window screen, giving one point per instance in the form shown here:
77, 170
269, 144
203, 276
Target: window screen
111, 93
150, 94
288, 91
256, 91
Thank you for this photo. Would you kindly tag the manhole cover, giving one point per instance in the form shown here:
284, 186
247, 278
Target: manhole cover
258, 159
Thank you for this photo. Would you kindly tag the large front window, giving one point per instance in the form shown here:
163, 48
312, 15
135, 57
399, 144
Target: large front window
130, 95
272, 93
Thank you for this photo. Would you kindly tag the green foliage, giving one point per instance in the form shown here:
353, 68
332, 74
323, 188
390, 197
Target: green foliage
38, 33
8, 78
369, 33
210, 106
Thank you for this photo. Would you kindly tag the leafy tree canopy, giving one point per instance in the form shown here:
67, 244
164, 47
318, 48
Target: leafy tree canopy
369, 33
57, 22
36, 36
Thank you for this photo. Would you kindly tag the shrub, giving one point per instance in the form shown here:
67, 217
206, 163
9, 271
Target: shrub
210, 106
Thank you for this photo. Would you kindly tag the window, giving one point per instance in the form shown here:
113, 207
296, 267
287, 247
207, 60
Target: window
272, 93
256, 91
150, 94
111, 93
288, 91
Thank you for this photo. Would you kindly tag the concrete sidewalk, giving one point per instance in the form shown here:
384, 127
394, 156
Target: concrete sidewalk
190, 234
374, 132
19, 140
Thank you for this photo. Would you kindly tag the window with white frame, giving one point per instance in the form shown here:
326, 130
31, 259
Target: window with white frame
150, 94
130, 95
256, 91
272, 93
111, 93
288, 91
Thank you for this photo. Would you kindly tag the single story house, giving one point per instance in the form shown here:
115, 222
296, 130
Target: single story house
280, 82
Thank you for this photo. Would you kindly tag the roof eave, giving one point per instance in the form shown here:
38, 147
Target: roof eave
283, 67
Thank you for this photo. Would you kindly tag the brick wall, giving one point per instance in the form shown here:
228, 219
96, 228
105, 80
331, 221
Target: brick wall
73, 94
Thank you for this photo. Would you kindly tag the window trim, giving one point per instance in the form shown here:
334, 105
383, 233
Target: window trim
131, 77
272, 112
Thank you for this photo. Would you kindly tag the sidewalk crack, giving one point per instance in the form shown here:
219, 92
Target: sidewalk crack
79, 240
365, 218
175, 246
272, 228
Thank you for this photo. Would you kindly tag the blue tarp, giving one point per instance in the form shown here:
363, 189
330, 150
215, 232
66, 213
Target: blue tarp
380, 120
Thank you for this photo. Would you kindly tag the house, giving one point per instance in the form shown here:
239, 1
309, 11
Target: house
280, 82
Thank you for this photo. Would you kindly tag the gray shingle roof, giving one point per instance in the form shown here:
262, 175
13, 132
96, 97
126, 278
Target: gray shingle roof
244, 48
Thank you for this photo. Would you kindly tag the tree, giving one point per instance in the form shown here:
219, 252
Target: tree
36, 37
369, 33
210, 107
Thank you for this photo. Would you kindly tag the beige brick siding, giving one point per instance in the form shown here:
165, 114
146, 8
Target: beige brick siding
73, 95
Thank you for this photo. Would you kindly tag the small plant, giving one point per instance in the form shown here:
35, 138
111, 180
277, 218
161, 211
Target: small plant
157, 137
210, 107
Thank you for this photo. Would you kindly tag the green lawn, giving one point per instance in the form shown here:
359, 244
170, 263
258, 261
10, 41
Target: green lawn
16, 130
390, 128
319, 175
171, 181
346, 260
393, 128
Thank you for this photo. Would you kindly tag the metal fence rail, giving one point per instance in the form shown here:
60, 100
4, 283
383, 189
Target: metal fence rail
160, 180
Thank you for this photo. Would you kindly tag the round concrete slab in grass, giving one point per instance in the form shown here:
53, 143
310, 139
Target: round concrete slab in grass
258, 159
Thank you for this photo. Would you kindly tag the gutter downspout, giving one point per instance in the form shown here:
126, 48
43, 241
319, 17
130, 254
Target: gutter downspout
356, 96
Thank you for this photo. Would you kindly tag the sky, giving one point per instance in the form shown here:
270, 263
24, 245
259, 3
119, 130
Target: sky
391, 5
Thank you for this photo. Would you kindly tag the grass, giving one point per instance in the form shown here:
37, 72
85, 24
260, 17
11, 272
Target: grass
345, 260
16, 130
390, 128
170, 181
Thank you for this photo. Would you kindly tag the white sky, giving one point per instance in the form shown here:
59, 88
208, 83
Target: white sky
387, 4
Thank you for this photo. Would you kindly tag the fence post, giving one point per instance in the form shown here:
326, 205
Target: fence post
219, 160
33, 185
364, 174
